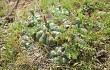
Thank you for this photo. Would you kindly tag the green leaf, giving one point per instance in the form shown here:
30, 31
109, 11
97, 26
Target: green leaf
27, 45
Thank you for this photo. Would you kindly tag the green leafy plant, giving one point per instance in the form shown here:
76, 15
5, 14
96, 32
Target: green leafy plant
48, 34
58, 56
34, 20
74, 31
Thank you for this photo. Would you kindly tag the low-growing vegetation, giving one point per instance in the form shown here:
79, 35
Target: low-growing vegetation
55, 35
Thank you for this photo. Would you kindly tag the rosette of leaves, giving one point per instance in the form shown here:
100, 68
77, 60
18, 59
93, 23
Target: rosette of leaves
59, 14
25, 41
34, 23
47, 34
34, 19
60, 11
58, 56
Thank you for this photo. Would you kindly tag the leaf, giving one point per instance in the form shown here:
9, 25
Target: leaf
27, 45
72, 54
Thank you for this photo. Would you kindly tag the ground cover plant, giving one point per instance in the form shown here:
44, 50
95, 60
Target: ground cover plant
55, 35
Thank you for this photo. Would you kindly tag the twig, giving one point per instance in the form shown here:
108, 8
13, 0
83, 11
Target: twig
10, 13
15, 6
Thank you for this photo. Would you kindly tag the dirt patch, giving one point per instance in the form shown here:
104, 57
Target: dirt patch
21, 9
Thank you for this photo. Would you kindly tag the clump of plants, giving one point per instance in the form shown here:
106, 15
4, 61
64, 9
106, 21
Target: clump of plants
59, 55
80, 36
76, 37
48, 34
